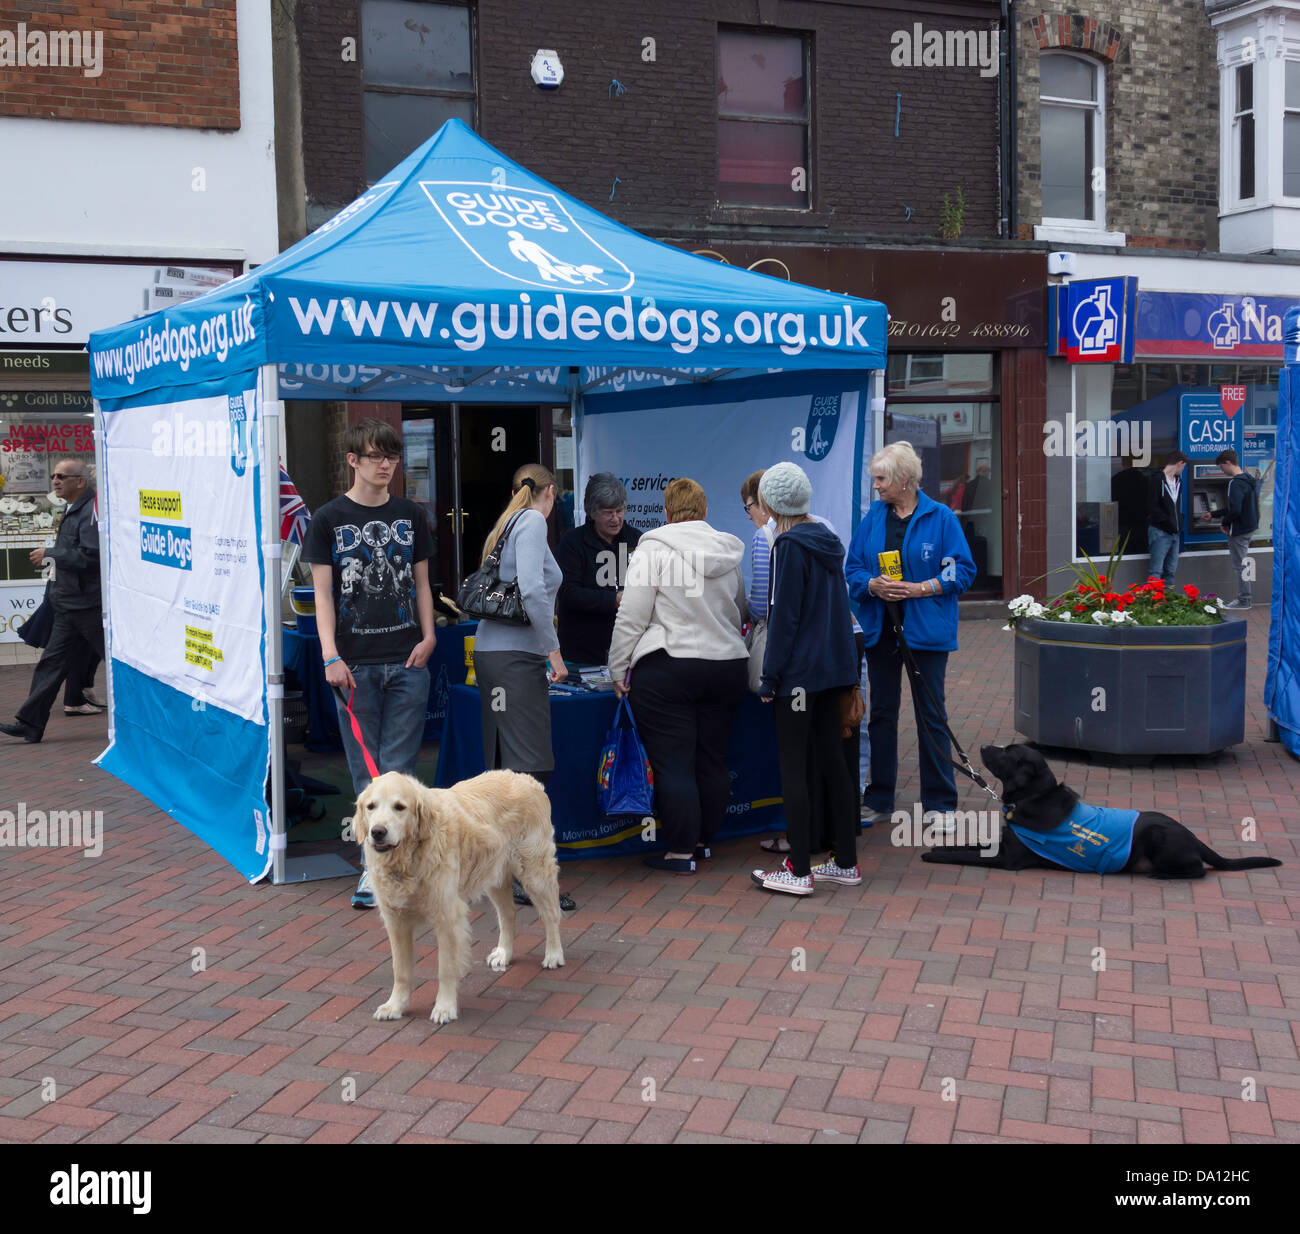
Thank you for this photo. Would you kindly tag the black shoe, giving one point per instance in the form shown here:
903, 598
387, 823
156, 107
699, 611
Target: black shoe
19, 729
703, 852
521, 897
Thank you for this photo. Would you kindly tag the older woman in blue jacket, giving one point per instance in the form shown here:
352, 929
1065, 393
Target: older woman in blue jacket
936, 568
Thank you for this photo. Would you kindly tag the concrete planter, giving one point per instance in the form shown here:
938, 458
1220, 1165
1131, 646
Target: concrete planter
1131, 689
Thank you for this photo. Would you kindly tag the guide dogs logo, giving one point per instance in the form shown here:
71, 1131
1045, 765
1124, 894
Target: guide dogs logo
238, 434
526, 235
823, 423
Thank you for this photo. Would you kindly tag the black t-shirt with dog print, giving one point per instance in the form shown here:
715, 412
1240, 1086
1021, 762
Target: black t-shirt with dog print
373, 550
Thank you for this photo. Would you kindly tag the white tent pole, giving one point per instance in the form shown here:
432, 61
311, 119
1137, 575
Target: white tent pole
877, 420
105, 573
269, 437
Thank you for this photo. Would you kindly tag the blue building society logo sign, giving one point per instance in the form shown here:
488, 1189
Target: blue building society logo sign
527, 236
823, 424
166, 546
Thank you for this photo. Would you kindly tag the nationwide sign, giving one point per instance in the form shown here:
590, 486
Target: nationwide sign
1091, 322
1210, 327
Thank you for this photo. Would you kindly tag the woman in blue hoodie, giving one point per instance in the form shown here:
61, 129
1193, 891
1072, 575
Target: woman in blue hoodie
935, 568
811, 660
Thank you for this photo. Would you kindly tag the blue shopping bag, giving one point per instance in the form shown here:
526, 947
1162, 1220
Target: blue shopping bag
624, 782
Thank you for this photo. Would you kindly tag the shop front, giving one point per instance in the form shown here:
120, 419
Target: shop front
964, 382
48, 307
1195, 371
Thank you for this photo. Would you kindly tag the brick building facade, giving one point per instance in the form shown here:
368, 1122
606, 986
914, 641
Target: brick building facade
165, 62
1161, 114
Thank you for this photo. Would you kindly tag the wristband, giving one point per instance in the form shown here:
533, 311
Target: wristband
335, 660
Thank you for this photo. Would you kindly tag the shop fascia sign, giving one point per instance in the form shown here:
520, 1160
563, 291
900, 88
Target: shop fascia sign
1093, 321
1210, 326
60, 302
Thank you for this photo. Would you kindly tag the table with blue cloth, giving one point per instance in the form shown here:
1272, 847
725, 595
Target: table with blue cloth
302, 658
579, 724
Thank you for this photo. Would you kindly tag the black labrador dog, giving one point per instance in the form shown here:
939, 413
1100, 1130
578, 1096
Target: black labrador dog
1045, 817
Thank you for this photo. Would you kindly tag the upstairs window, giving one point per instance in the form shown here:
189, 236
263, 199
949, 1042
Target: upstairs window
1073, 139
419, 72
763, 125
1244, 122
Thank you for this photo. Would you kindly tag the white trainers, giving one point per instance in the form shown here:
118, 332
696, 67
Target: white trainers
832, 873
783, 878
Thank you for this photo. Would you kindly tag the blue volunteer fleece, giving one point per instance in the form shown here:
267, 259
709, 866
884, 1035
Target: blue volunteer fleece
933, 538
810, 642
1093, 840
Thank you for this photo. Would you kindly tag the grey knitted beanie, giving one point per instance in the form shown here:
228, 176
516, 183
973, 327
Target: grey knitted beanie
785, 489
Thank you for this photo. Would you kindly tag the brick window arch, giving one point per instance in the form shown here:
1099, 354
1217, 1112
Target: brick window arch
1076, 33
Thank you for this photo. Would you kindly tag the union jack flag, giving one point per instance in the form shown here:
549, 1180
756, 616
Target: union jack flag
294, 515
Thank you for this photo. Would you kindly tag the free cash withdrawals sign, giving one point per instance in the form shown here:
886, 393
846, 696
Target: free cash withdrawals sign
186, 614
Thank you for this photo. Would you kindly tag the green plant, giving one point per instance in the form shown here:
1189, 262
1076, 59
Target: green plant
952, 217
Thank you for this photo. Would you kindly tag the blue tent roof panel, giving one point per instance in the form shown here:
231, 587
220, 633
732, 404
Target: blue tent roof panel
463, 259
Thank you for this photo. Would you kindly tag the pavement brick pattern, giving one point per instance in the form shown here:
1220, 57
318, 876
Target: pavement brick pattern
930, 1004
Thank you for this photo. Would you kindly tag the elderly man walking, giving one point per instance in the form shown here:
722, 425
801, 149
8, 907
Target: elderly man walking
78, 630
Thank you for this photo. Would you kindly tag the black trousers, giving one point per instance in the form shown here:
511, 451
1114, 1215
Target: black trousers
821, 824
685, 711
77, 635
802, 731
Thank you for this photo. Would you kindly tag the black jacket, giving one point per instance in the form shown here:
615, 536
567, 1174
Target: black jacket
76, 557
586, 607
1162, 514
1242, 515
809, 627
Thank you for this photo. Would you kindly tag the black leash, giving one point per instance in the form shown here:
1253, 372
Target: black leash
965, 766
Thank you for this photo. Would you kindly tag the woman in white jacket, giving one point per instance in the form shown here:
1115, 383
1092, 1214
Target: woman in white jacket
678, 633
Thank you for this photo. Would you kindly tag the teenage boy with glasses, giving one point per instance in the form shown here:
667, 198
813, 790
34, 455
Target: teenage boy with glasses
78, 632
369, 555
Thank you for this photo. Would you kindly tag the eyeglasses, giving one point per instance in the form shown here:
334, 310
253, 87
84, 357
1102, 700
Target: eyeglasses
377, 458
749, 505
64, 475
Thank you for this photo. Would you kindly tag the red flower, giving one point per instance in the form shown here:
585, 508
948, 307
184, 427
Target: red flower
1080, 608
1111, 597
1084, 589
1101, 578
1191, 592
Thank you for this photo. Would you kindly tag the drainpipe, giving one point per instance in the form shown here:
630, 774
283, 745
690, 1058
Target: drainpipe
1007, 97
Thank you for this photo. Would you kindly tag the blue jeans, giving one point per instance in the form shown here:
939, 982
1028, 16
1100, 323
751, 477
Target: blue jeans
1163, 547
884, 671
390, 704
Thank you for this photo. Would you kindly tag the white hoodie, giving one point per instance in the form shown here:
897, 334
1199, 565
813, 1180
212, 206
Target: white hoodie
685, 594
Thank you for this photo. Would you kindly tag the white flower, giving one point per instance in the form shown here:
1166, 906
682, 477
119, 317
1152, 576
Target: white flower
1067, 616
1099, 618
1006, 627
1036, 609
1209, 608
1020, 604
1118, 617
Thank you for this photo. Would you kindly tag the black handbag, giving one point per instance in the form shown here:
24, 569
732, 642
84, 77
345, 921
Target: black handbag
484, 597
36, 630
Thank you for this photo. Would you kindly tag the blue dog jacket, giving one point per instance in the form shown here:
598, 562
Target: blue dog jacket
1092, 840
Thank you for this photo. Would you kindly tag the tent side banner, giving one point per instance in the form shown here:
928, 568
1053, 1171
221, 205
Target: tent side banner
186, 611
213, 337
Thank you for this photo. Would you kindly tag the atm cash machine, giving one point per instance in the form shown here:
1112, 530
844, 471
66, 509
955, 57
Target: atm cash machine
1206, 489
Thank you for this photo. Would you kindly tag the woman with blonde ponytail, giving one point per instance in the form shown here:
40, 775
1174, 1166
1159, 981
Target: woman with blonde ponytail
511, 661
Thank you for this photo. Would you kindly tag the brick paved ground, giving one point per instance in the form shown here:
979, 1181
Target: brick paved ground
683, 989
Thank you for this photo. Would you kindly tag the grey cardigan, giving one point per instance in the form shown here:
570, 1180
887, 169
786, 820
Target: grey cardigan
528, 558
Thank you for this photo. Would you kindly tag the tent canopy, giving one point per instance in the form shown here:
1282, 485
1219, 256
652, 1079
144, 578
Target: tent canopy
1282, 683
463, 271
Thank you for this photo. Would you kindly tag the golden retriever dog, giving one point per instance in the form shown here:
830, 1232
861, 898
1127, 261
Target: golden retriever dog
433, 851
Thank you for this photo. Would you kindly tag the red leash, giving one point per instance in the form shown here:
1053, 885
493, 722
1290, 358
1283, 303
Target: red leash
356, 732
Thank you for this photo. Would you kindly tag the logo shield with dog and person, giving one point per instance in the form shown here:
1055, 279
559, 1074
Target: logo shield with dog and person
526, 235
